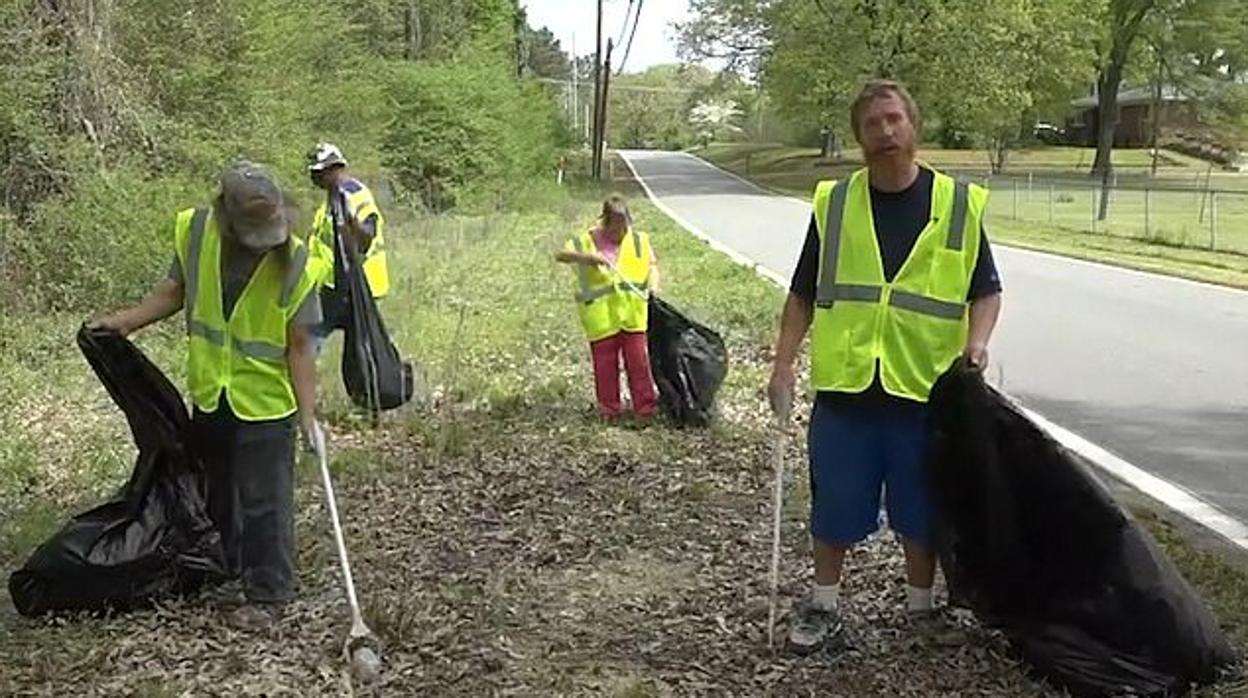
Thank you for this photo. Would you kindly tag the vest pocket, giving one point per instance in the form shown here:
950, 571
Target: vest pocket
949, 278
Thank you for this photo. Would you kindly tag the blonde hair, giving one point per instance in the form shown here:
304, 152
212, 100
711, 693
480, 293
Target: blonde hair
615, 203
875, 89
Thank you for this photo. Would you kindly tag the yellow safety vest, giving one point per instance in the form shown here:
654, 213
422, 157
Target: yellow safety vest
361, 205
914, 327
606, 303
244, 355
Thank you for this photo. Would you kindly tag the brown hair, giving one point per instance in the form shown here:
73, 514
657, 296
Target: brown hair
875, 89
615, 203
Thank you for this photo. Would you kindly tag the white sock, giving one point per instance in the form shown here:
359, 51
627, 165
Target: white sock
918, 599
827, 597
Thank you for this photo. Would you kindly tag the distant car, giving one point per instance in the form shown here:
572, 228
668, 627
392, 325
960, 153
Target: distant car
1048, 133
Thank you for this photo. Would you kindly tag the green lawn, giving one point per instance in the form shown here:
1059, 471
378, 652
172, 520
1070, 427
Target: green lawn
503, 541
1175, 169
1170, 230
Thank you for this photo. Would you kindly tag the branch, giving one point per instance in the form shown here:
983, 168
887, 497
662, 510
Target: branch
1131, 26
826, 12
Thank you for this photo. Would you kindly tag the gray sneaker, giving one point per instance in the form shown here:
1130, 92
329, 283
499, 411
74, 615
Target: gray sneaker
933, 628
227, 595
812, 627
253, 617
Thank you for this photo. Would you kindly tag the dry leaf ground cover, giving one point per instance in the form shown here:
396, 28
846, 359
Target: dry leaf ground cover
504, 542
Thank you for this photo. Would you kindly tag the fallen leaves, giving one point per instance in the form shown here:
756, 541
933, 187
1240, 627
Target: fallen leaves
538, 565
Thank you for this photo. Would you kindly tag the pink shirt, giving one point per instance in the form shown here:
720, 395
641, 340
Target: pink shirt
609, 247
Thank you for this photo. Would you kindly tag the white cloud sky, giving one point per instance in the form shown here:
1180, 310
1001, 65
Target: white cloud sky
654, 44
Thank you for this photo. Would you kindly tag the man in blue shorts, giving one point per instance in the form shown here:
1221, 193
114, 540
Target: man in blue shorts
896, 281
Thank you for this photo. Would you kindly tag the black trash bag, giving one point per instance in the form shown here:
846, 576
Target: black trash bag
153, 539
689, 363
374, 374
1036, 546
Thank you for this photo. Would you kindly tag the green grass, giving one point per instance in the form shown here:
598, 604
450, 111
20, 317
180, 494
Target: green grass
62, 442
1188, 219
64, 445
773, 159
1221, 580
1170, 233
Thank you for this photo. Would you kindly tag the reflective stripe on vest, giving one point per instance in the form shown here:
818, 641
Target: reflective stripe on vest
609, 305
912, 327
586, 294
361, 204
250, 369
829, 291
198, 220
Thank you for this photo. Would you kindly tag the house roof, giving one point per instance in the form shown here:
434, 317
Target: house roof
1133, 96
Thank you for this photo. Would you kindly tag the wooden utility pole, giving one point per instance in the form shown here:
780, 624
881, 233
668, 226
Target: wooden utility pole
602, 118
576, 88
593, 167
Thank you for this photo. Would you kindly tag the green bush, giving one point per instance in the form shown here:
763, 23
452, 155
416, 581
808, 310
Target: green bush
467, 134
105, 242
108, 130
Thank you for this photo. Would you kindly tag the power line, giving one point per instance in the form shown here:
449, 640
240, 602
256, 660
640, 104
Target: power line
624, 26
633, 88
629, 47
597, 92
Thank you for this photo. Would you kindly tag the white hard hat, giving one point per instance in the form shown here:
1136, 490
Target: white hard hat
324, 156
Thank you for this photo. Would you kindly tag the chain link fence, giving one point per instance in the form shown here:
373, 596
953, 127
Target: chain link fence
1209, 219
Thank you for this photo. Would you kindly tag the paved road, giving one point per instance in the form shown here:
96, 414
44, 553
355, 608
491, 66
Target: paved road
1150, 368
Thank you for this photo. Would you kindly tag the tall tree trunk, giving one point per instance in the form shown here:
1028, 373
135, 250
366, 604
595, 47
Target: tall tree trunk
1107, 112
998, 152
411, 32
1128, 16
1156, 113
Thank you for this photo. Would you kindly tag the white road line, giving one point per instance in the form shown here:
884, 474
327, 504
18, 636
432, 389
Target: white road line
1174, 496
698, 232
743, 180
1168, 493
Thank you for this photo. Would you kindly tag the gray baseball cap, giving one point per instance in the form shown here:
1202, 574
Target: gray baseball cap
256, 208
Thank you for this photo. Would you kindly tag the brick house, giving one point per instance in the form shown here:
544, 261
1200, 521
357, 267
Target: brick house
1177, 118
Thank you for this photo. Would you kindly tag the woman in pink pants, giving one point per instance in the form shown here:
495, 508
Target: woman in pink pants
616, 269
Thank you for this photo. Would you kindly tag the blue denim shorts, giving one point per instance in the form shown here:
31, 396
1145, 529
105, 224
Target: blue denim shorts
857, 452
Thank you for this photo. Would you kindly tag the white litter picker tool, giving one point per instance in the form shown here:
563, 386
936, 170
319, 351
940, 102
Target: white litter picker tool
781, 407
615, 271
361, 644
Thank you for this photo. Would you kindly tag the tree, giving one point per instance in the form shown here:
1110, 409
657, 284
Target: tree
988, 67
115, 113
1121, 22
1202, 49
651, 109
543, 56
434, 29
712, 118
1197, 46
1026, 57
732, 30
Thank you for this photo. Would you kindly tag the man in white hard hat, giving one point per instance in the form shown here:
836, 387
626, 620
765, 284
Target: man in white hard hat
349, 217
